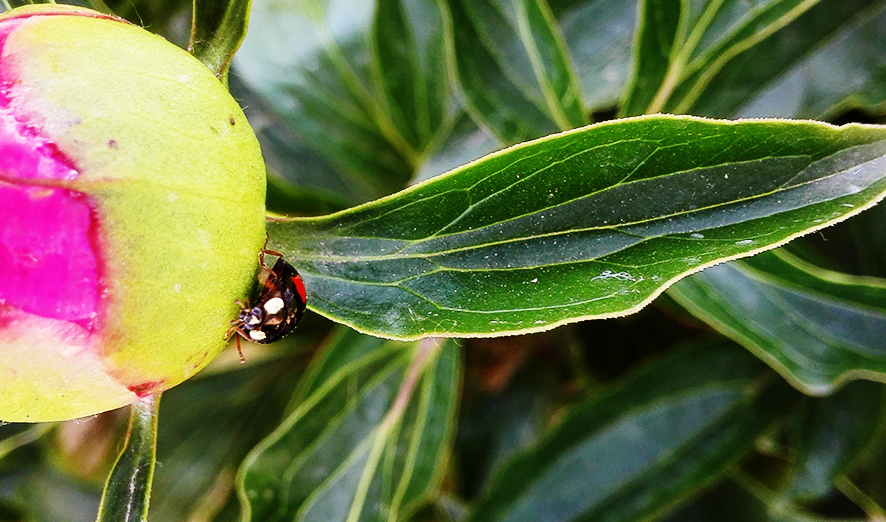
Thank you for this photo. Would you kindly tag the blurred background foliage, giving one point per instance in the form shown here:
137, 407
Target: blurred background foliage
656, 416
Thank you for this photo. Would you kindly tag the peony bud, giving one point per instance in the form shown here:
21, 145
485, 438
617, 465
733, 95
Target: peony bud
131, 213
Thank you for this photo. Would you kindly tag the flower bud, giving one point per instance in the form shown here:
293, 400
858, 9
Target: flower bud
131, 213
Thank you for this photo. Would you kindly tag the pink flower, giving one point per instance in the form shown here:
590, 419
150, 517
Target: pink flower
131, 213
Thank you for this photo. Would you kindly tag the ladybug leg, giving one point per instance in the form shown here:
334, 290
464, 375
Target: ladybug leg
261, 255
237, 323
264, 250
240, 351
266, 272
235, 328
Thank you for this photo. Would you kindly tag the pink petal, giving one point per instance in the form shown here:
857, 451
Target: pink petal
48, 235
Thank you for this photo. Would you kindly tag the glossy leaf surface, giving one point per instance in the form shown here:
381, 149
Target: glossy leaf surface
830, 435
587, 224
817, 328
364, 87
828, 60
598, 36
366, 437
513, 68
410, 51
656, 46
681, 46
656, 438
208, 426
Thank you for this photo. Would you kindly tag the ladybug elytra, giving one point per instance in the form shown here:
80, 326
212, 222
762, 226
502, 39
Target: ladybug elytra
278, 308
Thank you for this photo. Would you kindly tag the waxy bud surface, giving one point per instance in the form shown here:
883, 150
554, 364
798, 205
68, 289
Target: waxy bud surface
131, 213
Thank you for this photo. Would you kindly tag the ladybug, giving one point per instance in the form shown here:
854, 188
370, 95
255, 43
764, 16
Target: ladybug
278, 308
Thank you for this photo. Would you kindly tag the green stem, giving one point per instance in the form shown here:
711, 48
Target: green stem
128, 490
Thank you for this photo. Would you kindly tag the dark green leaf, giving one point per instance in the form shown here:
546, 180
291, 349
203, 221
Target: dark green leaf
868, 232
656, 44
681, 46
513, 68
309, 65
347, 95
745, 501
410, 45
99, 5
300, 181
658, 437
169, 18
494, 428
128, 491
816, 327
47, 495
11, 4
598, 34
13, 436
218, 28
830, 435
366, 438
209, 424
828, 60
466, 142
586, 224
865, 479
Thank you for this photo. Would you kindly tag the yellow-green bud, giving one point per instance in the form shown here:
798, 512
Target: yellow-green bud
131, 213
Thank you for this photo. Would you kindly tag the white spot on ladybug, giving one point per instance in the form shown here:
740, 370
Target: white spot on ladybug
253, 320
274, 305
257, 335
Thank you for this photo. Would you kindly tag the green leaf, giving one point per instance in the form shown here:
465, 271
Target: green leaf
11, 4
168, 18
366, 439
586, 224
410, 45
100, 6
47, 495
816, 327
300, 180
209, 424
513, 68
599, 34
660, 436
830, 59
656, 46
363, 88
14, 436
869, 238
466, 142
492, 429
743, 500
830, 435
128, 490
681, 46
217, 30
